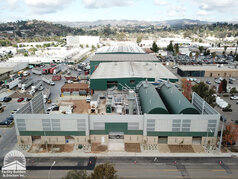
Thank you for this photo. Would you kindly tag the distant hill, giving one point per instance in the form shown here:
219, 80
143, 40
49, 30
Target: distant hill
34, 28
132, 23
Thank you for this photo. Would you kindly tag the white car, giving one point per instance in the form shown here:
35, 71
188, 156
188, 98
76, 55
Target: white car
234, 97
217, 81
88, 99
41, 88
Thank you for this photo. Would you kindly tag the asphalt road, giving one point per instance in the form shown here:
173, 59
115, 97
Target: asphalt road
138, 167
7, 141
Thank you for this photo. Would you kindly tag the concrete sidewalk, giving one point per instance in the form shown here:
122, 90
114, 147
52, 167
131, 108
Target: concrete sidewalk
128, 154
80, 153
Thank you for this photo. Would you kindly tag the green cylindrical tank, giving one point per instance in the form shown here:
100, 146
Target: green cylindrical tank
150, 101
175, 101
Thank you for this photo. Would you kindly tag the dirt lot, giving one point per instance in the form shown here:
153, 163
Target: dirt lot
35, 148
132, 147
81, 106
97, 147
181, 149
198, 149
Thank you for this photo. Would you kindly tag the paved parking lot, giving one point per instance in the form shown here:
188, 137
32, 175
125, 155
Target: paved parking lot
10, 106
230, 116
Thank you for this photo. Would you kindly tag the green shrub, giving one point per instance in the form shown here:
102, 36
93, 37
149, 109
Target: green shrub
80, 146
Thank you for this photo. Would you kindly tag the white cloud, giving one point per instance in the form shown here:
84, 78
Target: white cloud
12, 3
217, 5
176, 11
40, 6
161, 2
106, 3
46, 6
202, 13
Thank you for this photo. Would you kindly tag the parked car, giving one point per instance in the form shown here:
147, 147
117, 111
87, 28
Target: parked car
208, 82
20, 100
234, 97
27, 99
7, 121
230, 81
217, 81
88, 99
7, 99
14, 111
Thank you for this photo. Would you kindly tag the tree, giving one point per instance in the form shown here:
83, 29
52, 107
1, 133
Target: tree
104, 171
230, 134
204, 92
187, 88
233, 90
139, 39
74, 174
220, 89
155, 48
197, 55
176, 49
213, 56
32, 51
201, 48
224, 85
170, 47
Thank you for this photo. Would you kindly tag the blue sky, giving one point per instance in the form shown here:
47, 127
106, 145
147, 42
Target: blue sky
91, 10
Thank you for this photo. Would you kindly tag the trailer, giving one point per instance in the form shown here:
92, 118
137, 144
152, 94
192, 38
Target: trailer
37, 71
48, 81
64, 68
36, 85
13, 83
56, 70
26, 73
45, 70
27, 84
22, 82
46, 94
72, 78
56, 77
51, 70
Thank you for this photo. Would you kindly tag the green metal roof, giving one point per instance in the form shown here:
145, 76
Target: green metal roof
150, 100
175, 101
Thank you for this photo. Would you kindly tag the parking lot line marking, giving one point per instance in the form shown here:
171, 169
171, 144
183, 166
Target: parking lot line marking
218, 170
170, 170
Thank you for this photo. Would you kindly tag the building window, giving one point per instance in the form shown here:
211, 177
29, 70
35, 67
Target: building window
176, 125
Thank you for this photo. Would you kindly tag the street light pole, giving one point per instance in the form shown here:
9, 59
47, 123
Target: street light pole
50, 169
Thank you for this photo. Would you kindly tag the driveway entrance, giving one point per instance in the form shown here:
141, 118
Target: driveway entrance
116, 142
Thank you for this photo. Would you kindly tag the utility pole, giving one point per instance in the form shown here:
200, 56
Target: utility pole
222, 128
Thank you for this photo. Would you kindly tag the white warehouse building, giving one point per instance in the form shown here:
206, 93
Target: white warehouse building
82, 40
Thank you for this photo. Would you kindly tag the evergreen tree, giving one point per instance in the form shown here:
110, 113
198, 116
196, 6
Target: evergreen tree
155, 48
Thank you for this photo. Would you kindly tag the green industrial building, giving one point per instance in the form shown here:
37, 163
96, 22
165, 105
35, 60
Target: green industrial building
120, 54
128, 74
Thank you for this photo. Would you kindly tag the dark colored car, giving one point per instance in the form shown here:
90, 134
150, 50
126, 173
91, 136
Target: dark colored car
20, 100
7, 121
7, 99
